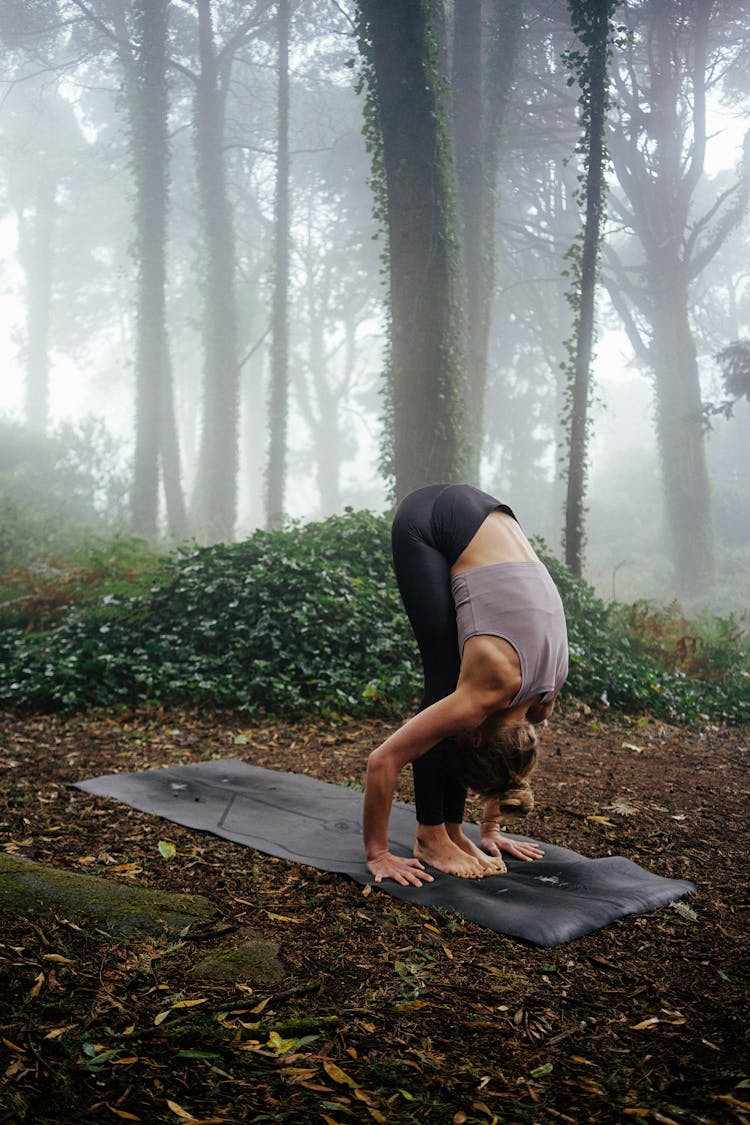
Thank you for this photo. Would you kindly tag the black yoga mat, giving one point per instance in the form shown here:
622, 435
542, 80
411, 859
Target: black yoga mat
299, 818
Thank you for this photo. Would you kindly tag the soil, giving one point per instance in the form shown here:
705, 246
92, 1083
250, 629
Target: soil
387, 1012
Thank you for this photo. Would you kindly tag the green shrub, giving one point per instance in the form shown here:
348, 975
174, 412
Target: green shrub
309, 619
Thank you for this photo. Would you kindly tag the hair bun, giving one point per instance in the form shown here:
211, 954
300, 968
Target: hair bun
518, 801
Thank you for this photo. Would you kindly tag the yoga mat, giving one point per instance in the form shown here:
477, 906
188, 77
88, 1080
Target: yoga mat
299, 818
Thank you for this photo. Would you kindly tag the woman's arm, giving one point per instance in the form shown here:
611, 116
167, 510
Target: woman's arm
458, 712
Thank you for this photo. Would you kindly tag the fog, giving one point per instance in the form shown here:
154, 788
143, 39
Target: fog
74, 300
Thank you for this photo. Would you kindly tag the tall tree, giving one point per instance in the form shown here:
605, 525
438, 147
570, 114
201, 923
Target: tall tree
215, 501
155, 430
406, 117
658, 146
138, 33
278, 406
592, 23
486, 40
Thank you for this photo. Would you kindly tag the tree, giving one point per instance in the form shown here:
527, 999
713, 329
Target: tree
658, 146
156, 434
278, 406
591, 20
410, 147
485, 49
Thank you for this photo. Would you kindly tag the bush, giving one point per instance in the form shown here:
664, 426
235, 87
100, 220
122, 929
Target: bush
53, 487
309, 619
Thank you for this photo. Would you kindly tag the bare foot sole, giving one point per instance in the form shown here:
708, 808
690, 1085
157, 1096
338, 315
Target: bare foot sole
446, 856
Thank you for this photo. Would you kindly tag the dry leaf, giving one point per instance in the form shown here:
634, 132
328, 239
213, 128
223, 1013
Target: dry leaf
645, 1023
37, 986
58, 1031
337, 1074
123, 1113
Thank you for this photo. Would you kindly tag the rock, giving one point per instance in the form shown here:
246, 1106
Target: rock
31, 888
251, 957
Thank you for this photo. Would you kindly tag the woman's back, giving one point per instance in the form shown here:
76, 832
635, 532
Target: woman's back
499, 539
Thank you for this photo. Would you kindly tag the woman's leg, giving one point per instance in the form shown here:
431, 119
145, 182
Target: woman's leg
431, 528
423, 576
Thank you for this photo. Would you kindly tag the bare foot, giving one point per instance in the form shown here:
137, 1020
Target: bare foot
491, 865
434, 847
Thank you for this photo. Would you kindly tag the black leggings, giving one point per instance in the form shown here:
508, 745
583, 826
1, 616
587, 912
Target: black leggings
431, 528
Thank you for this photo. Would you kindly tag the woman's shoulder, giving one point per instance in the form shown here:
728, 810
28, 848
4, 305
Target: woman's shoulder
492, 668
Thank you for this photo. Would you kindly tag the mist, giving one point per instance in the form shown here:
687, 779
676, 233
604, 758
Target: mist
198, 284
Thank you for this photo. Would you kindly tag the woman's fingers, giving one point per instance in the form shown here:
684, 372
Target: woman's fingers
406, 872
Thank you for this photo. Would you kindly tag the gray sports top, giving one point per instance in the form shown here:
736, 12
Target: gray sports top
519, 602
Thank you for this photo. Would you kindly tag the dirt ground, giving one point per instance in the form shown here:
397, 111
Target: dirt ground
388, 1012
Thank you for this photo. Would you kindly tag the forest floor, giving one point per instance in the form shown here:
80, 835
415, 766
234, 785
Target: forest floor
411, 1015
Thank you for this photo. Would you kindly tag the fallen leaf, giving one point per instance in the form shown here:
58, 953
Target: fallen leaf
58, 1031
542, 1071
684, 910
337, 1074
622, 808
183, 1114
168, 851
601, 820
734, 1102
645, 1023
189, 1003
123, 1113
36, 986
58, 957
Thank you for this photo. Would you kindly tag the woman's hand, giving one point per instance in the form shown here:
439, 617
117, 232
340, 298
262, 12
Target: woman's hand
494, 843
407, 872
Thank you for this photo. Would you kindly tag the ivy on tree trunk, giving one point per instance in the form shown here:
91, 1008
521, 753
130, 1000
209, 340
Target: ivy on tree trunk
592, 23
415, 197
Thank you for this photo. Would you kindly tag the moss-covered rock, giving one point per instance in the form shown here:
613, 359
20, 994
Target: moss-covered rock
250, 957
31, 888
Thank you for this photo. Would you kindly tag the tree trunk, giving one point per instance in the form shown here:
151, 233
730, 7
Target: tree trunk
278, 407
484, 54
148, 103
679, 426
35, 252
426, 379
658, 151
216, 485
580, 391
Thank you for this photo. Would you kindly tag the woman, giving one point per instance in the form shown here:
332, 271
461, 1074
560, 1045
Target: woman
491, 633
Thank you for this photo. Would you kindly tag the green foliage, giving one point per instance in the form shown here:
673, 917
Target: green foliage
33, 596
53, 487
309, 619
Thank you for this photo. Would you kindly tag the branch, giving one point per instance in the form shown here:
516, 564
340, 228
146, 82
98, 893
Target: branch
640, 347
700, 224
732, 217
234, 40
102, 26
697, 159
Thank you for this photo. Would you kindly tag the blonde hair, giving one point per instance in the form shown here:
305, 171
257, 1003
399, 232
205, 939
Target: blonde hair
499, 767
